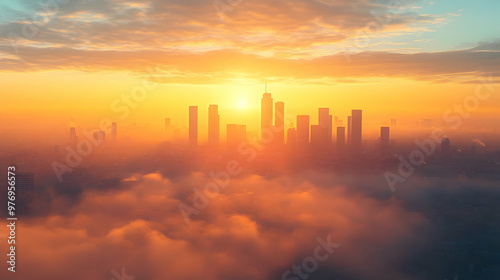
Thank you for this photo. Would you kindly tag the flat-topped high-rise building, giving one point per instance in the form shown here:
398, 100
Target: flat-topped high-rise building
113, 131
318, 136
167, 123
73, 139
325, 122
279, 122
349, 129
356, 130
213, 125
193, 125
169, 129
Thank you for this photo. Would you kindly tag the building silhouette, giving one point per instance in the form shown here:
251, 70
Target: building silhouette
113, 131
302, 130
325, 123
73, 139
318, 136
356, 130
341, 136
266, 113
349, 129
279, 122
213, 125
169, 129
193, 125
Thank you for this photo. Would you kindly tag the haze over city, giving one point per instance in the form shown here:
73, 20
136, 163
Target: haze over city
318, 139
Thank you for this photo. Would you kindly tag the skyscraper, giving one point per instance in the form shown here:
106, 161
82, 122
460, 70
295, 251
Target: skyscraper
384, 137
356, 135
279, 122
169, 129
213, 125
302, 130
193, 125
113, 131
167, 123
73, 139
266, 112
349, 129
340, 136
325, 122
318, 136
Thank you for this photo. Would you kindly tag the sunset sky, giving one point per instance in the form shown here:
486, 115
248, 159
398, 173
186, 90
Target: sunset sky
76, 58
411, 199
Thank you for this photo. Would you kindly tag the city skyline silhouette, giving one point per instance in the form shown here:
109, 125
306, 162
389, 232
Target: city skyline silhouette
238, 140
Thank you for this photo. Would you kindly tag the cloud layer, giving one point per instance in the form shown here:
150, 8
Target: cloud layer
256, 229
215, 42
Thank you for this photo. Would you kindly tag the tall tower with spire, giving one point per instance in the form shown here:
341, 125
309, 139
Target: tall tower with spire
266, 112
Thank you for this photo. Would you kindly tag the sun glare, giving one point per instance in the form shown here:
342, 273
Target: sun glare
241, 104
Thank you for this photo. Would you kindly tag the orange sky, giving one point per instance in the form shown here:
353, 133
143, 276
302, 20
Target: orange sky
53, 98
392, 62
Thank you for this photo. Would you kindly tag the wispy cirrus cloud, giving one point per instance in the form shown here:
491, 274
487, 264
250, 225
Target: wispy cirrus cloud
283, 40
255, 26
222, 66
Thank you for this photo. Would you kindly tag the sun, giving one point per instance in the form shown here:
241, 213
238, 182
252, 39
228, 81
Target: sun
241, 104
